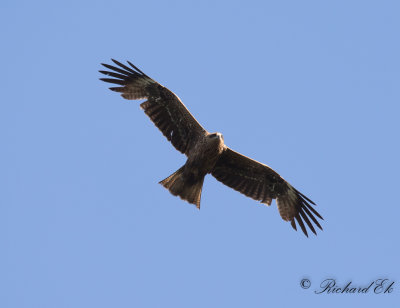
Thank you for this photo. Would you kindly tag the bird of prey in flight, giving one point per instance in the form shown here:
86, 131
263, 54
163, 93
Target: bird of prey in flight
206, 152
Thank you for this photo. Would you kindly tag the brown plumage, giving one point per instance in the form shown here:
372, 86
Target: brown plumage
206, 152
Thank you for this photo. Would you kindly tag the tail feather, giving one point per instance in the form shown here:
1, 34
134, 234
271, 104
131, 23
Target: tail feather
188, 190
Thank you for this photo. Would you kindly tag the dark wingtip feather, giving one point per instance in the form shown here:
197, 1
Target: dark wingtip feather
308, 222
304, 197
293, 223
307, 212
312, 210
116, 69
303, 228
115, 75
111, 80
124, 66
117, 89
135, 67
312, 217
105, 72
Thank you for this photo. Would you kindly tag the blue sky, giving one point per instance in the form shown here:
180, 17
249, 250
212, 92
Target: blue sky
310, 88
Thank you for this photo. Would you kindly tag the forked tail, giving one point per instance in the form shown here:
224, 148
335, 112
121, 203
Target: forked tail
187, 188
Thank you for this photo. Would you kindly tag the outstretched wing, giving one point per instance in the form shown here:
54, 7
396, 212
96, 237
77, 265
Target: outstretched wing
260, 182
162, 106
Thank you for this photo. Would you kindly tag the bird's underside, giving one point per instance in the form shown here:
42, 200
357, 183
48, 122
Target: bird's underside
206, 153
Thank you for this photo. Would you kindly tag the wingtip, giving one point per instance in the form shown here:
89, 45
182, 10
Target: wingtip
116, 61
136, 68
302, 226
115, 89
304, 197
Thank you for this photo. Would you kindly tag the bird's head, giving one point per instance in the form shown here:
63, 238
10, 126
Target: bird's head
217, 136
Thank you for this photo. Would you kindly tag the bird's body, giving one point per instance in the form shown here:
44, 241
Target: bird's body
206, 152
187, 182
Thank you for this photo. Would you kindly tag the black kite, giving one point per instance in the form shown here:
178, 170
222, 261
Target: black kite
206, 152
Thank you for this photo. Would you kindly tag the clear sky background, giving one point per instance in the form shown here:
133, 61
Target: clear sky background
310, 88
